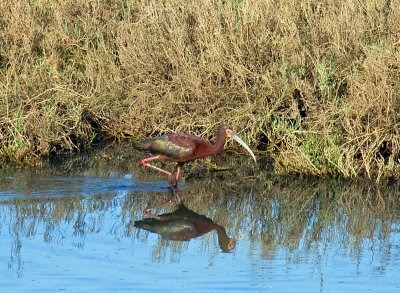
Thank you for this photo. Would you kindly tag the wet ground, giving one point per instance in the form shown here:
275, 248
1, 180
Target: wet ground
77, 225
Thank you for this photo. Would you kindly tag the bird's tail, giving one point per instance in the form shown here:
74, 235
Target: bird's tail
142, 145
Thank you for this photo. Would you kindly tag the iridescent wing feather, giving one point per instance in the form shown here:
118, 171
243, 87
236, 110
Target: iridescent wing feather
177, 147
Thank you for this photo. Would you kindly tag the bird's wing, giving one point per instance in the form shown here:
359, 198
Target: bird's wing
175, 146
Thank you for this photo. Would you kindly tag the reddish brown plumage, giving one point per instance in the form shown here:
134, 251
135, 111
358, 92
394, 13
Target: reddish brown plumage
184, 225
182, 148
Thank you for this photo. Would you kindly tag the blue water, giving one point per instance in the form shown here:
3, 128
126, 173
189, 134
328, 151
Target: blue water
94, 248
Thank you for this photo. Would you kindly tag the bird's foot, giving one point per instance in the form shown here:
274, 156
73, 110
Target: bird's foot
147, 213
178, 197
175, 195
173, 184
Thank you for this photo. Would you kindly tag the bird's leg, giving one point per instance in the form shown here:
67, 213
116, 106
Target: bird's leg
144, 163
148, 214
174, 182
178, 172
177, 196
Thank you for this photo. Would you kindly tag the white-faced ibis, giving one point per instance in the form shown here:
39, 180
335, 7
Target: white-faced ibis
184, 225
182, 148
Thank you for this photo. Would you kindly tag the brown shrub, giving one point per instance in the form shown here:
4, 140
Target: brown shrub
318, 80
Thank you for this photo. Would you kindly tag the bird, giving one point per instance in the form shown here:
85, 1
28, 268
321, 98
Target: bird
183, 225
183, 148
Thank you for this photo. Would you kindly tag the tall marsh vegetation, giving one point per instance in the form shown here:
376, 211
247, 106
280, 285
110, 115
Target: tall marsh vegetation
314, 83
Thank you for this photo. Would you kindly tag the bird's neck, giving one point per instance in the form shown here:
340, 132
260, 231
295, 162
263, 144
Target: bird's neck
223, 240
218, 146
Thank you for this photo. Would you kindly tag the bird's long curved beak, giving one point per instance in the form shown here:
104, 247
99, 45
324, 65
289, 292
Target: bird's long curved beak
239, 140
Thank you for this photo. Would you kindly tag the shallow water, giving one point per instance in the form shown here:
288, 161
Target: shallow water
70, 226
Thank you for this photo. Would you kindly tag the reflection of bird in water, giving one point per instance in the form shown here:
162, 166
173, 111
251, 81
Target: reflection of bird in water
183, 225
174, 194
182, 148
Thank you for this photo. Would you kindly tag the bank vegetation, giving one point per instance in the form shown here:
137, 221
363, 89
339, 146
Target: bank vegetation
314, 84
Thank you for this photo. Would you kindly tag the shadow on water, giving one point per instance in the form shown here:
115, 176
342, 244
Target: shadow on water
278, 221
184, 224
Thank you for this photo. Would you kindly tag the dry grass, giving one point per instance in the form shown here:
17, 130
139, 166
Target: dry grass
318, 80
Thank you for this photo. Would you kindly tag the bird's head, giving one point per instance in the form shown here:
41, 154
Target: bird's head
227, 246
230, 133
